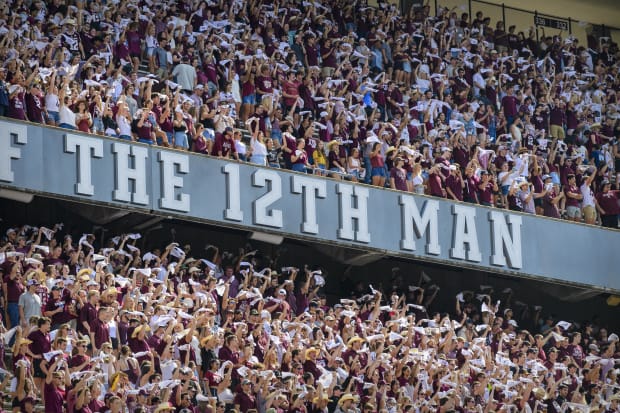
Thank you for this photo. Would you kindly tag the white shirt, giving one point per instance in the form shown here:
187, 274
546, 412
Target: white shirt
240, 146
123, 125
588, 195
51, 102
258, 148
66, 115
478, 83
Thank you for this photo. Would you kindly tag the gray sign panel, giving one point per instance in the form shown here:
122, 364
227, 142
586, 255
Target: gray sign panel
152, 179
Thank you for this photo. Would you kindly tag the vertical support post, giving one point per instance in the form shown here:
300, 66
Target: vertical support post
570, 26
469, 12
504, 16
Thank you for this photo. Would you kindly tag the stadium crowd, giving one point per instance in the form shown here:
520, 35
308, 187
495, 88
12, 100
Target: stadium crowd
451, 106
101, 325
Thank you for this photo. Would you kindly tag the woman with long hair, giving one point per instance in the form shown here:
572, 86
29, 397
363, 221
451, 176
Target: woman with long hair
299, 158
377, 162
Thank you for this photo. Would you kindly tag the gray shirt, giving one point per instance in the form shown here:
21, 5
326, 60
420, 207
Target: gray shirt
31, 304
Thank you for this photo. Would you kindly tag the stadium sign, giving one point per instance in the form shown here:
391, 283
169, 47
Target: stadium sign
156, 180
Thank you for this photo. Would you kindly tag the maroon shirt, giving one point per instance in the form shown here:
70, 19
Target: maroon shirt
245, 402
53, 399
486, 193
434, 183
34, 107
572, 189
226, 354
454, 183
226, 146
62, 316
16, 107
264, 84
78, 360
509, 103
608, 201
101, 332
88, 313
550, 209
40, 342
400, 178
14, 289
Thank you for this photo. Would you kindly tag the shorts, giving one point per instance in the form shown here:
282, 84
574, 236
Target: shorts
538, 202
53, 116
98, 125
67, 126
378, 171
589, 213
276, 135
557, 131
180, 140
573, 212
249, 100
149, 51
355, 173
505, 189
37, 372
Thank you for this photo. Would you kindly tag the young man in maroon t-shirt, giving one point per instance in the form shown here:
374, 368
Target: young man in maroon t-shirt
486, 187
607, 205
573, 199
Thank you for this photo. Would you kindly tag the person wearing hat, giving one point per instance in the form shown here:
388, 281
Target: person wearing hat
551, 199
310, 362
225, 143
21, 349
71, 38
354, 346
607, 205
29, 302
164, 408
526, 195
57, 307
246, 398
345, 403
398, 175
136, 339
278, 303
